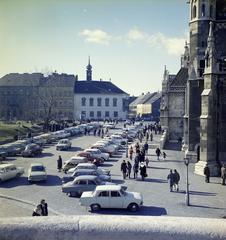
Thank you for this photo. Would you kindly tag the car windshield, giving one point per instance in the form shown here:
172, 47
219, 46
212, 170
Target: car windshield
37, 168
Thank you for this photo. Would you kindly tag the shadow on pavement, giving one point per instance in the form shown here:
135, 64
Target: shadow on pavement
15, 182
144, 211
172, 146
159, 168
45, 154
106, 165
117, 181
198, 193
75, 149
52, 180
208, 207
155, 180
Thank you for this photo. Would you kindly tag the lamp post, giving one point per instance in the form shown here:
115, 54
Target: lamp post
187, 197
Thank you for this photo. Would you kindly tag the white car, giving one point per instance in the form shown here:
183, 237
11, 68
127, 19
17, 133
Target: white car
8, 171
37, 173
73, 162
63, 144
97, 153
101, 171
111, 196
104, 147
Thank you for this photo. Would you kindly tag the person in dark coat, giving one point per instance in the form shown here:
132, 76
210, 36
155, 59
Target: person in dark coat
146, 148
158, 153
176, 180
44, 207
124, 169
135, 169
206, 172
59, 163
143, 171
170, 178
129, 167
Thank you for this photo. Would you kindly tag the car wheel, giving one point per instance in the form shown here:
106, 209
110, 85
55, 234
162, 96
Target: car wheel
95, 207
133, 207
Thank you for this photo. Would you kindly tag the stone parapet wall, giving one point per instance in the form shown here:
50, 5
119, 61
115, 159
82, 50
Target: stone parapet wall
112, 228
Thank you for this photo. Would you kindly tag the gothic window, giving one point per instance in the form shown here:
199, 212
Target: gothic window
91, 102
211, 11
106, 102
222, 66
99, 102
194, 12
115, 102
203, 14
83, 101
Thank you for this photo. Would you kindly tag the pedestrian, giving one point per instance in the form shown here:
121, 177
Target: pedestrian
143, 171
124, 169
131, 152
59, 163
164, 155
147, 136
37, 211
206, 172
142, 156
146, 147
158, 153
102, 133
135, 169
170, 179
129, 167
176, 180
151, 136
223, 174
44, 208
147, 161
137, 158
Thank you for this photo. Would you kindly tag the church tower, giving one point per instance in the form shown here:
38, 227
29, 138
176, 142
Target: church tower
89, 71
201, 13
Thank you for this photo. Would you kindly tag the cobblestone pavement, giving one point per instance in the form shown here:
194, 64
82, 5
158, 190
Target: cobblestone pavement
207, 200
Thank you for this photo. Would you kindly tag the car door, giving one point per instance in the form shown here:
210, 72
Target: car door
116, 200
103, 199
82, 186
91, 185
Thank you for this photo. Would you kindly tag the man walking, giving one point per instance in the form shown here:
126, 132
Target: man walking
143, 171
124, 169
135, 169
129, 167
170, 179
223, 174
146, 148
44, 208
59, 163
158, 153
206, 172
176, 179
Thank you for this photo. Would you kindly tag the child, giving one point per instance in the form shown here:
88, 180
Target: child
147, 161
164, 155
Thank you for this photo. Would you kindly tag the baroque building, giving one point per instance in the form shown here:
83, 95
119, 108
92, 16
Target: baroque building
205, 110
173, 100
98, 99
36, 97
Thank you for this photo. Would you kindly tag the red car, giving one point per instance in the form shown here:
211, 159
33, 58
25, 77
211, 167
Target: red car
91, 158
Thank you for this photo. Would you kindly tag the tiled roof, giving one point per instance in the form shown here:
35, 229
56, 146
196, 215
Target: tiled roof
104, 87
155, 97
181, 78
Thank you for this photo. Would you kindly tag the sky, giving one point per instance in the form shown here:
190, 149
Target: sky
128, 41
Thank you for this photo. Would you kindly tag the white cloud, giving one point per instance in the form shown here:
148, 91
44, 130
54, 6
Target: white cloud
172, 45
96, 36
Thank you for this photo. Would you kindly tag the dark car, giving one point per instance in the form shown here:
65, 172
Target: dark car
32, 150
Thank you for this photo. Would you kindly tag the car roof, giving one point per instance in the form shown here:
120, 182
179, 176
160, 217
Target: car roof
86, 164
3, 165
76, 158
108, 188
91, 149
85, 170
86, 177
36, 164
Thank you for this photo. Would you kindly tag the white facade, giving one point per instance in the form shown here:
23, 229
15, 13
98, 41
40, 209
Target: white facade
100, 106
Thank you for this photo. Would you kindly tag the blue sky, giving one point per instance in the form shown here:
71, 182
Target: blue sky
128, 41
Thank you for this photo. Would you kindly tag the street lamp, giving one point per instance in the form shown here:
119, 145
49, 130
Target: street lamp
187, 197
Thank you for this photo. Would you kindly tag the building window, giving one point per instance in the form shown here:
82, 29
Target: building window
98, 114
115, 102
107, 114
83, 101
194, 12
211, 11
115, 114
106, 102
99, 102
91, 114
83, 114
91, 102
203, 10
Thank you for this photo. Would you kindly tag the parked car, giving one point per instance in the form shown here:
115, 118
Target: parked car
111, 196
3, 154
97, 153
119, 139
8, 171
73, 162
31, 150
104, 147
37, 173
79, 172
101, 171
91, 157
63, 144
81, 184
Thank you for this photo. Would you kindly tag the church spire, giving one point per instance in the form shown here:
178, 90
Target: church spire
89, 71
210, 55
